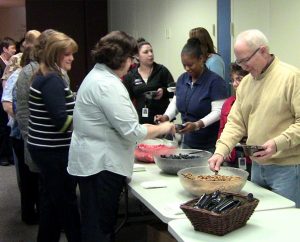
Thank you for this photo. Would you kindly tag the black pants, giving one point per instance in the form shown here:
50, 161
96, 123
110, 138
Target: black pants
28, 184
99, 203
58, 201
5, 146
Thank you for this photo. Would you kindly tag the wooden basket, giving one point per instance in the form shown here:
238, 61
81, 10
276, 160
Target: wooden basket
219, 224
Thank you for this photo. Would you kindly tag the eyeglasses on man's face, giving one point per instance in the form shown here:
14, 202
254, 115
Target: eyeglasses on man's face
245, 60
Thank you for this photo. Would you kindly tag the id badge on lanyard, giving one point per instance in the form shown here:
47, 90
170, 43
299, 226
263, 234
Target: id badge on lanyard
242, 161
145, 112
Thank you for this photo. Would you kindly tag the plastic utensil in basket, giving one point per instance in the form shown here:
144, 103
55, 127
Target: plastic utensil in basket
223, 223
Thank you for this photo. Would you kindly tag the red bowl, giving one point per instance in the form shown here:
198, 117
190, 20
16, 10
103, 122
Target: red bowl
146, 150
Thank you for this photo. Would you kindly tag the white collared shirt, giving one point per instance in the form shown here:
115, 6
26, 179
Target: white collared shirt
106, 126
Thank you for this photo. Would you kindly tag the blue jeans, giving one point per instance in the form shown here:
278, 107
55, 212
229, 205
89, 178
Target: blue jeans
284, 180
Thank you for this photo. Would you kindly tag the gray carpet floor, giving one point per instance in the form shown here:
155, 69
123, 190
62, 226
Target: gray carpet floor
12, 229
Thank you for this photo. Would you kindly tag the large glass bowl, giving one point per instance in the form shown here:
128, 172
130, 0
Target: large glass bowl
172, 166
197, 187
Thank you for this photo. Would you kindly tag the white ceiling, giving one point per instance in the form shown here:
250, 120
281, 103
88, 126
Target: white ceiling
11, 3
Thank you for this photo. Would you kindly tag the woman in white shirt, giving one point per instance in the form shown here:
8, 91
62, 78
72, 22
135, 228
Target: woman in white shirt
106, 130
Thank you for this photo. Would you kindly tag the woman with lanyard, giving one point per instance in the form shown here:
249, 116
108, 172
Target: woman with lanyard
148, 76
200, 94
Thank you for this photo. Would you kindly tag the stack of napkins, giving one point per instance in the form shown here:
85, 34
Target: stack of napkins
154, 184
173, 208
138, 167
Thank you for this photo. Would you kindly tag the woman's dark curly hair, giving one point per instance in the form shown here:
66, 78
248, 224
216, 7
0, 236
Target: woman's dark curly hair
141, 42
114, 48
235, 68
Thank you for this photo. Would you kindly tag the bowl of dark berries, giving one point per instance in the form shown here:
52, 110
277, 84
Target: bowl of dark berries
178, 159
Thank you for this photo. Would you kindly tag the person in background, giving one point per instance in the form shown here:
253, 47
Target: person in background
51, 106
214, 61
24, 44
27, 180
19, 45
148, 76
14, 64
200, 94
237, 74
266, 110
7, 50
102, 156
22, 91
21, 98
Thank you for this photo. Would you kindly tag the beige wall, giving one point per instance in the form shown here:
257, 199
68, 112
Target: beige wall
164, 23
284, 30
13, 22
278, 19
247, 14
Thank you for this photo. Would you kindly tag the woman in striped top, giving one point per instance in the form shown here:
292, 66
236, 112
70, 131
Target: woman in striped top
51, 106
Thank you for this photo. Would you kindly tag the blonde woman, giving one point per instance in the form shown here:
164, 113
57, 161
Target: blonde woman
51, 106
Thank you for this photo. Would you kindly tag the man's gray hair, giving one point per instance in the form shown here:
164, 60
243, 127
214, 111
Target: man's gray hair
254, 38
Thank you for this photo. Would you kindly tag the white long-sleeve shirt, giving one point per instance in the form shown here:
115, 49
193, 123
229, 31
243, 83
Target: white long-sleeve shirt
210, 118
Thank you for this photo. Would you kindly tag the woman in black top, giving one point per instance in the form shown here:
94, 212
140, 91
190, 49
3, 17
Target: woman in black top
148, 76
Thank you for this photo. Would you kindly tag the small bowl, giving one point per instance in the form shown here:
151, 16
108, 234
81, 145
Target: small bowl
178, 127
150, 94
171, 89
198, 187
249, 150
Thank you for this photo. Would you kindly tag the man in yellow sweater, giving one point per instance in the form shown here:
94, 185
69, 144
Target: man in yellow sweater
267, 110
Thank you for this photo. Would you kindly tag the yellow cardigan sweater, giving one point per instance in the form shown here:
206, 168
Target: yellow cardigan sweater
267, 107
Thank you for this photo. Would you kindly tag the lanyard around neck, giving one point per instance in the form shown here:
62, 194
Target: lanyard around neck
186, 100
